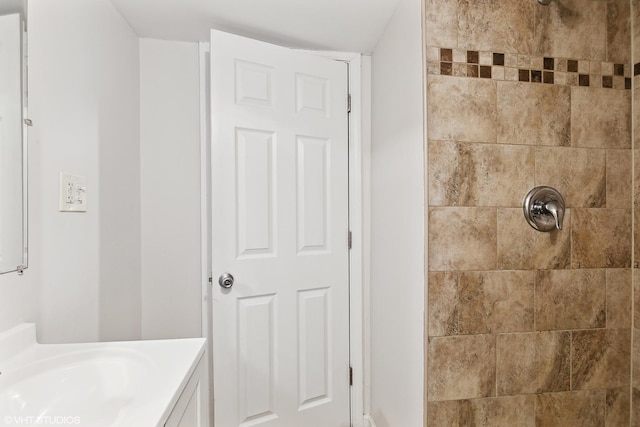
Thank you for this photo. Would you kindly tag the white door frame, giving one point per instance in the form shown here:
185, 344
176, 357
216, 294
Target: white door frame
359, 157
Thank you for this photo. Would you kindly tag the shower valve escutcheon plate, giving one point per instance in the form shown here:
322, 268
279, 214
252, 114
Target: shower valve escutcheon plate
544, 208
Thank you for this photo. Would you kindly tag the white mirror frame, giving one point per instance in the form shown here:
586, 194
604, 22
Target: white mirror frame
17, 250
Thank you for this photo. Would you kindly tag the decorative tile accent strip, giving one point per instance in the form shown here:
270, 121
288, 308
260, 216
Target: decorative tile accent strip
533, 69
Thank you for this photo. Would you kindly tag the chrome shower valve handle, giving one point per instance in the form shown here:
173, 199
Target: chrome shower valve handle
544, 208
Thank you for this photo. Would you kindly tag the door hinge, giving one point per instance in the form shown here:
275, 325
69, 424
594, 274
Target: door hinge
350, 376
349, 239
348, 103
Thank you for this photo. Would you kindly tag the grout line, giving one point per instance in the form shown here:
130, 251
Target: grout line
496, 365
570, 360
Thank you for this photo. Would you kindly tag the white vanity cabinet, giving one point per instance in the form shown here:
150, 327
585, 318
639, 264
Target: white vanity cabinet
192, 407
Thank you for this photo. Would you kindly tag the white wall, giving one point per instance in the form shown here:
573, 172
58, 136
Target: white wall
119, 177
170, 160
397, 223
84, 101
88, 272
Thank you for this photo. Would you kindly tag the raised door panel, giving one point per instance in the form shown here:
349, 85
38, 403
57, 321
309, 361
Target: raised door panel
257, 344
255, 193
313, 194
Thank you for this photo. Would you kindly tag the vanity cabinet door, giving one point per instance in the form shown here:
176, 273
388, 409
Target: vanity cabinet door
192, 409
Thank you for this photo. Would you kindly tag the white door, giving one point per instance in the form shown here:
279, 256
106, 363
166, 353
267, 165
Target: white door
280, 227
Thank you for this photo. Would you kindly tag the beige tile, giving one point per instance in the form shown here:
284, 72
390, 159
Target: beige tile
618, 298
584, 67
520, 247
570, 299
501, 412
600, 238
534, 114
441, 23
561, 65
461, 367
571, 29
618, 83
497, 73
600, 118
510, 74
446, 413
533, 362
572, 79
537, 62
635, 375
636, 174
461, 109
600, 358
617, 407
636, 239
433, 53
578, 408
635, 404
497, 301
460, 55
510, 59
460, 70
579, 174
607, 68
462, 239
619, 179
467, 174
488, 412
489, 25
433, 68
560, 78
636, 305
486, 58
480, 302
444, 303
619, 31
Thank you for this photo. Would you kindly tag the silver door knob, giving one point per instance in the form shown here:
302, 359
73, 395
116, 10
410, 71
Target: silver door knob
225, 280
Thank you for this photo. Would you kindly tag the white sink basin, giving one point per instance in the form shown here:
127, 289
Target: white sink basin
96, 386
132, 383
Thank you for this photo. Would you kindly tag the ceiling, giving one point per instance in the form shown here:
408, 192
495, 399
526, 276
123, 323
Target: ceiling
341, 25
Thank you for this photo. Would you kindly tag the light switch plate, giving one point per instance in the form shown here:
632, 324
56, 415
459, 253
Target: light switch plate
73, 193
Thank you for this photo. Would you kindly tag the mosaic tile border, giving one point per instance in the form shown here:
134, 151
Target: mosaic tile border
526, 68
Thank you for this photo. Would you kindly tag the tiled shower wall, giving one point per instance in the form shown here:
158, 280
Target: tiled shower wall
528, 328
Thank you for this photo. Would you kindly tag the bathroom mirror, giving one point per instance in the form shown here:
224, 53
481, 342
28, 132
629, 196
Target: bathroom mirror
13, 184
